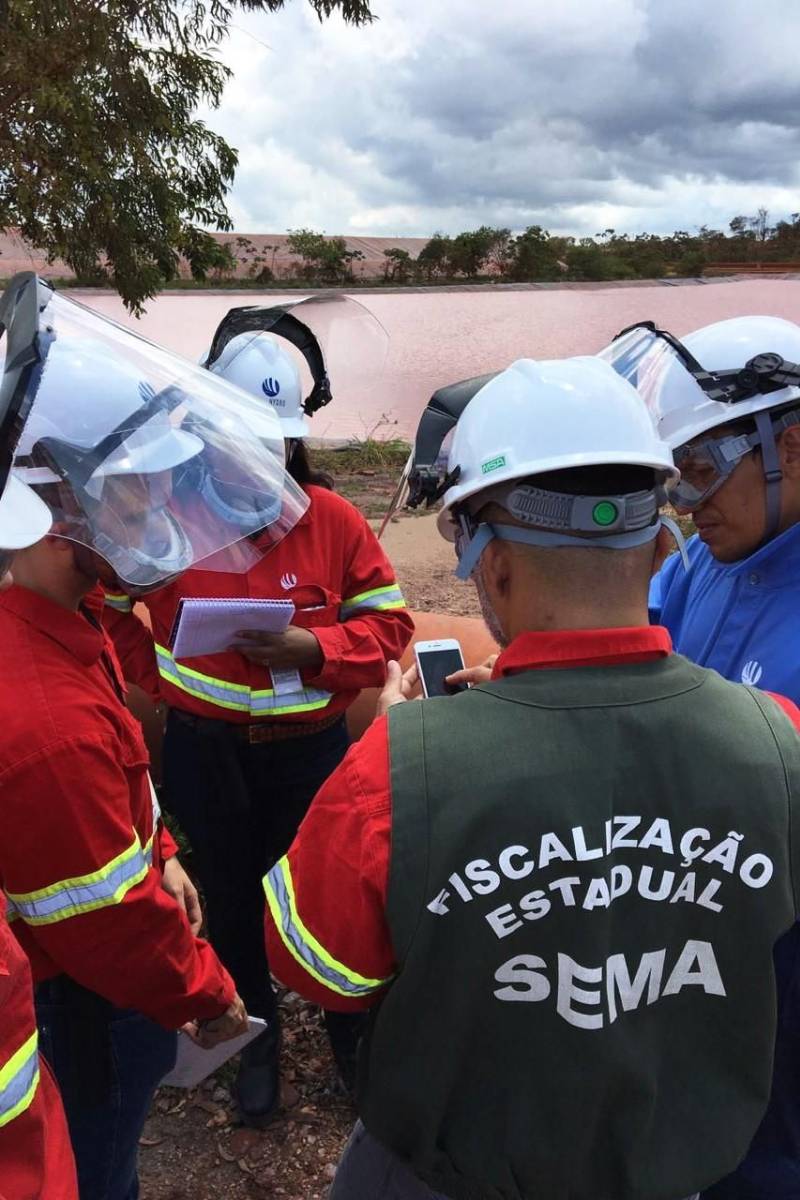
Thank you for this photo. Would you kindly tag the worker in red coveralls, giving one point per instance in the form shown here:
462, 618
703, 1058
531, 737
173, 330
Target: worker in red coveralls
98, 901
558, 890
35, 1153
253, 733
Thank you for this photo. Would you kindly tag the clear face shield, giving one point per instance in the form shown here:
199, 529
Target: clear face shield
425, 476
129, 445
341, 346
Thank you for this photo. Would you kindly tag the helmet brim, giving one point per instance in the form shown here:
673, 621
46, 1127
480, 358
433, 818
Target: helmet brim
24, 517
295, 427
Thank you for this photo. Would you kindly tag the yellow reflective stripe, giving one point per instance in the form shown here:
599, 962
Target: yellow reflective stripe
236, 696
19, 1079
303, 946
121, 601
380, 598
83, 893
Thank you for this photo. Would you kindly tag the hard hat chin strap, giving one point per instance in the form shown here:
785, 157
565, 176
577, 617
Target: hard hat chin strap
473, 544
772, 473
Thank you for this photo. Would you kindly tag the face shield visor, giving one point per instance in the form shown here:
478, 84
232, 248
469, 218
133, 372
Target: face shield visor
142, 457
340, 346
670, 379
425, 476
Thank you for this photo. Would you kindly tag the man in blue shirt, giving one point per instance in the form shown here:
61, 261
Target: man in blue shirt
727, 399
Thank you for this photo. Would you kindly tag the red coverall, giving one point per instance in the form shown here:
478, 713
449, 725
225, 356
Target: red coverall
35, 1153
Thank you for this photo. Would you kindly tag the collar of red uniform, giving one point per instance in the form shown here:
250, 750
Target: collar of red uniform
583, 648
70, 629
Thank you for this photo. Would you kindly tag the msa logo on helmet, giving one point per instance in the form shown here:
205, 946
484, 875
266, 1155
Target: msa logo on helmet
494, 464
272, 388
752, 672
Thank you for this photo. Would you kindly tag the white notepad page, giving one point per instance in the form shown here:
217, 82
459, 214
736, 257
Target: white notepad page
210, 626
194, 1064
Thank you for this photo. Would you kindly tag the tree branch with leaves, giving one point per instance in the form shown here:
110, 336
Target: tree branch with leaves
103, 162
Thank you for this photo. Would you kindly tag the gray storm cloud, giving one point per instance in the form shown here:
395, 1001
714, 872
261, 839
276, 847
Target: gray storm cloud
633, 113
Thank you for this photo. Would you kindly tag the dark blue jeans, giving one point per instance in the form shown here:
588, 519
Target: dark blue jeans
240, 806
108, 1062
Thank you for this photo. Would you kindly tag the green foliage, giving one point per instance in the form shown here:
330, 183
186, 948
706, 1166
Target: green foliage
434, 257
537, 255
469, 252
594, 262
324, 259
398, 265
533, 256
103, 162
691, 264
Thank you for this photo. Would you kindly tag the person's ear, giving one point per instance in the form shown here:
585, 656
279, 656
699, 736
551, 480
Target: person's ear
789, 450
496, 568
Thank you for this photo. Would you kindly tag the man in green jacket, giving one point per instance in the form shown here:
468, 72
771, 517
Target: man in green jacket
559, 891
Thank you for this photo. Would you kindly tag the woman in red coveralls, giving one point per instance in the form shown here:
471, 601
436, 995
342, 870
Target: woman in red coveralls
35, 1153
253, 733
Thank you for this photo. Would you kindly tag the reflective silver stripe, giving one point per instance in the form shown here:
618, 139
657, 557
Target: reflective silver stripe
19, 1079
71, 897
378, 599
119, 600
237, 697
299, 942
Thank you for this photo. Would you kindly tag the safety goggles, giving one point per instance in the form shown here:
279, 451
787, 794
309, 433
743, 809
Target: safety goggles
707, 463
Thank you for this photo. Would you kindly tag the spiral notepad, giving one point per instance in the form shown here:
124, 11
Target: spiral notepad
210, 626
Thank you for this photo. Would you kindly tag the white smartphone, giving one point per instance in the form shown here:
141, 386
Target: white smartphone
435, 661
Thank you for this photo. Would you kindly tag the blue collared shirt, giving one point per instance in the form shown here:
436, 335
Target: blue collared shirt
743, 620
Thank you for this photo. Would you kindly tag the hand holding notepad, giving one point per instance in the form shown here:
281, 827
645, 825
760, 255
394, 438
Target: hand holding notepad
211, 626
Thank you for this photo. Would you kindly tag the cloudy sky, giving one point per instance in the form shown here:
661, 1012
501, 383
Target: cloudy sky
574, 114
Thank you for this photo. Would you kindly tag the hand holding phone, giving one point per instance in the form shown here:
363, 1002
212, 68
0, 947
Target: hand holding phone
435, 661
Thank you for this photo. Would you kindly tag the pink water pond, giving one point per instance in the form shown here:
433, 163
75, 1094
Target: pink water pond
439, 337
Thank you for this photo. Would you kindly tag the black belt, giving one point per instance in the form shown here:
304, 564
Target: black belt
260, 732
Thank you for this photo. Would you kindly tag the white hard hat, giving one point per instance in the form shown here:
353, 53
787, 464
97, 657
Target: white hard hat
742, 367
24, 518
147, 460
682, 401
537, 417
256, 363
98, 403
683, 410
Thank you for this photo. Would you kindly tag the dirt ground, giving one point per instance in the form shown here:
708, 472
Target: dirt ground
193, 1148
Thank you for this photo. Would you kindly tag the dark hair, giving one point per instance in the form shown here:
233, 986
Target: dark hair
612, 480
299, 466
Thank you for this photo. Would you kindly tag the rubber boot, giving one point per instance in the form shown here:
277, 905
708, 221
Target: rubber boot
257, 1088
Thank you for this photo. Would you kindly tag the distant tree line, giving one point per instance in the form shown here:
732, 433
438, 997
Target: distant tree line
533, 255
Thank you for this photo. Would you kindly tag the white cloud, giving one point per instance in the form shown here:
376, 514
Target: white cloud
448, 114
